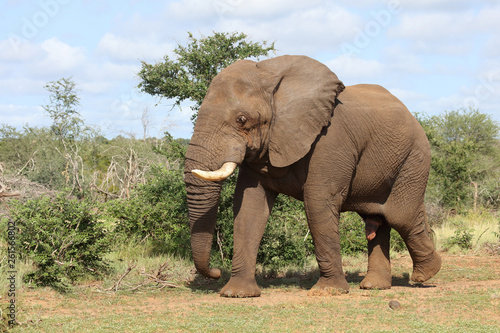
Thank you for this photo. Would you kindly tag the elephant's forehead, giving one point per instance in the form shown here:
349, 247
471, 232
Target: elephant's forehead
234, 89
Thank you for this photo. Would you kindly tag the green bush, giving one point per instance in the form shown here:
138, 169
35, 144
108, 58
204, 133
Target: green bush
156, 210
353, 238
222, 245
462, 238
397, 242
286, 240
63, 237
352, 234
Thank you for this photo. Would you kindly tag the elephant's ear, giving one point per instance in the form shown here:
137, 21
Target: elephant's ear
303, 103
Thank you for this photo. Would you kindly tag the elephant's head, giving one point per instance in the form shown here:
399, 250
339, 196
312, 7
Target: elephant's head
251, 112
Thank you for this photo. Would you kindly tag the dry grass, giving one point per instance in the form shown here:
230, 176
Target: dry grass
464, 296
483, 226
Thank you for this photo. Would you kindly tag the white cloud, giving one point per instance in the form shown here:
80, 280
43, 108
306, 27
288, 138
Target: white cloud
192, 9
263, 9
20, 115
426, 5
317, 29
433, 26
17, 50
96, 87
20, 86
40, 60
110, 71
59, 58
403, 60
236, 9
408, 97
487, 20
118, 48
353, 70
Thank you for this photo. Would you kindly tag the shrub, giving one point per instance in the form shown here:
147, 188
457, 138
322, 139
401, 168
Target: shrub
462, 239
397, 242
286, 240
352, 234
353, 239
63, 237
156, 210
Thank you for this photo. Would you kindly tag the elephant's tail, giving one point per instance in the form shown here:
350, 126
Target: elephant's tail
429, 230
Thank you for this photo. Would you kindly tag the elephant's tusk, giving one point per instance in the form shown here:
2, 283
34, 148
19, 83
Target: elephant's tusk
225, 171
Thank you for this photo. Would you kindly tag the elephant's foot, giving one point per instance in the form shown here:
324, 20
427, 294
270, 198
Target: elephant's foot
329, 286
424, 270
239, 287
376, 280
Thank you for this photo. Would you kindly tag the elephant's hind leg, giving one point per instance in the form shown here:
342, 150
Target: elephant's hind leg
379, 265
405, 212
426, 261
411, 225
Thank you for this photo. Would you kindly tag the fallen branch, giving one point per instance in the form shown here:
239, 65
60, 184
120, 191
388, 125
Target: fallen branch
117, 284
159, 278
9, 194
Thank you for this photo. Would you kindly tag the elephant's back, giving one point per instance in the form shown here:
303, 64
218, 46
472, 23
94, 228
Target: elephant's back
384, 134
374, 116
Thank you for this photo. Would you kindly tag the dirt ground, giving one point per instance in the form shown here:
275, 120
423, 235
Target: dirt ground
459, 274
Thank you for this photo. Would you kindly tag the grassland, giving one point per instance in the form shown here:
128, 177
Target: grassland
463, 297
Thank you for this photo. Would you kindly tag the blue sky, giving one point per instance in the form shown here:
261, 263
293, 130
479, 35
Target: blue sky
434, 55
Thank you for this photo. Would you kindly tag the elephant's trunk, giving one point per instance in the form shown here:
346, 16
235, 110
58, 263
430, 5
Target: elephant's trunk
203, 202
209, 150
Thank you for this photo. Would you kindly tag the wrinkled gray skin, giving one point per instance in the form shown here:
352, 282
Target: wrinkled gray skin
293, 128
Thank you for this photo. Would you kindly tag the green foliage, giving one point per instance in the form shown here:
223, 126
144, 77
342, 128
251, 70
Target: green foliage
462, 238
188, 76
397, 242
222, 245
352, 234
156, 210
353, 238
286, 240
62, 108
174, 150
465, 150
63, 237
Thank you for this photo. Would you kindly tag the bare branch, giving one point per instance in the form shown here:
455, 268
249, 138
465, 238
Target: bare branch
127, 271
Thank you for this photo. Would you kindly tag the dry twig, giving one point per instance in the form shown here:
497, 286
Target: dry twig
118, 283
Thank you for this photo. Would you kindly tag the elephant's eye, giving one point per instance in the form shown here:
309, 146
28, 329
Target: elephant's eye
241, 120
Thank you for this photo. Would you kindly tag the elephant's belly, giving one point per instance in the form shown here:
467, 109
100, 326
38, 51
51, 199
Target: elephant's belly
363, 207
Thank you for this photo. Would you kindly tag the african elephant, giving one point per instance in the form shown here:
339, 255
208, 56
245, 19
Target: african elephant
292, 127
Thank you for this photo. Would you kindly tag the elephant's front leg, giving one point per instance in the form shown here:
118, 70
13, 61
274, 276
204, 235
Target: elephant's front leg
252, 207
323, 218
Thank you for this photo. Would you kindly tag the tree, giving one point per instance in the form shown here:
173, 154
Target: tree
465, 152
69, 129
188, 76
62, 108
